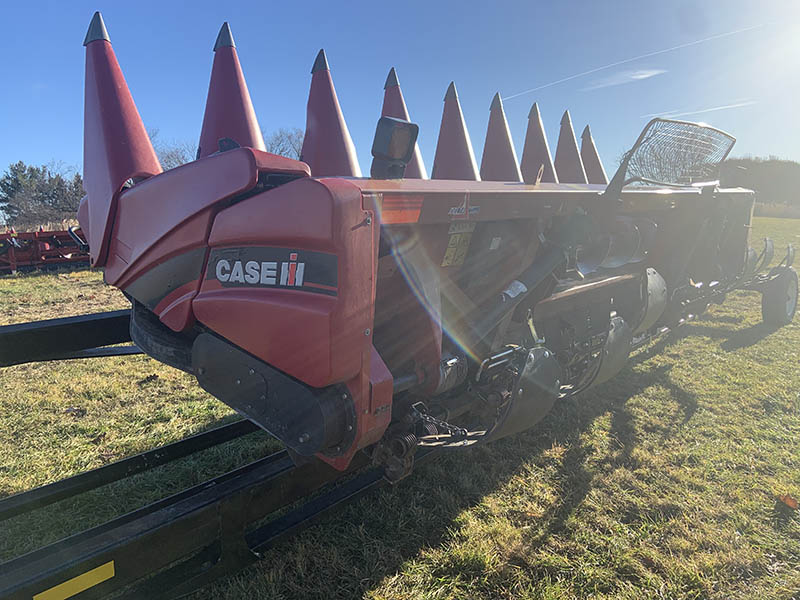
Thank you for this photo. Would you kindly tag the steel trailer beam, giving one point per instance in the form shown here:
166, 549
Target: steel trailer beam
83, 482
54, 339
151, 538
188, 539
178, 544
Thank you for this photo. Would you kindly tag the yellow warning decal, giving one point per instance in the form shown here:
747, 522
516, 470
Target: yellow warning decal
78, 584
458, 243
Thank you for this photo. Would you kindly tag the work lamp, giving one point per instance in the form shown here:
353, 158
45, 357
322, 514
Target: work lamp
392, 147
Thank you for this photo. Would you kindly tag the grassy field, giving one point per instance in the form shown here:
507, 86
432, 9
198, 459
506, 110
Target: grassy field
662, 483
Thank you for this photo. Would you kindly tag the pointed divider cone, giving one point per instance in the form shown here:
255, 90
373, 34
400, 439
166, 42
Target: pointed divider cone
499, 162
536, 152
229, 110
568, 158
454, 157
394, 105
595, 173
116, 146
327, 146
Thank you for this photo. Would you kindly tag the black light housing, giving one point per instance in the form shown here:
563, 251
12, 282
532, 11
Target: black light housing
392, 147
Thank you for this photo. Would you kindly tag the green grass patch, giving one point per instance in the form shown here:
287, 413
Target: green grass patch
661, 483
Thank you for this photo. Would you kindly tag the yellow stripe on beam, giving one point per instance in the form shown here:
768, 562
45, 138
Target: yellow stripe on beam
78, 584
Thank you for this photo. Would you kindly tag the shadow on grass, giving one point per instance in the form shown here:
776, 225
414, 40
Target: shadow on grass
715, 318
373, 539
611, 397
732, 339
743, 338
782, 514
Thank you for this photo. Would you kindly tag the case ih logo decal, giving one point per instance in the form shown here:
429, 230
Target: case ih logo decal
274, 267
263, 273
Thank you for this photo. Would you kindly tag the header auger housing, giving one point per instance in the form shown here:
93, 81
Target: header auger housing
365, 321
343, 313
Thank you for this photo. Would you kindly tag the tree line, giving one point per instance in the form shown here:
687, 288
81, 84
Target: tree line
777, 181
31, 196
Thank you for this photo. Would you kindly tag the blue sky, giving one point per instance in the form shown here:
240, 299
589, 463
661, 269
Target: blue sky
746, 82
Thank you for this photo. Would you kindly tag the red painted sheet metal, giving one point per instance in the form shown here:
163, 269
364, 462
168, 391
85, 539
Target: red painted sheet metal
499, 162
372, 391
454, 157
443, 201
287, 329
229, 111
318, 338
595, 173
311, 334
273, 163
408, 292
116, 146
170, 213
159, 249
327, 146
439, 186
549, 191
175, 310
568, 163
536, 153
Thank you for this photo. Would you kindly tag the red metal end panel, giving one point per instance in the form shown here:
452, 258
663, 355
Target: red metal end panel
158, 249
320, 330
313, 322
274, 163
372, 391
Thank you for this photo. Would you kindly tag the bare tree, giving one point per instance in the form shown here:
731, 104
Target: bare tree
171, 153
285, 141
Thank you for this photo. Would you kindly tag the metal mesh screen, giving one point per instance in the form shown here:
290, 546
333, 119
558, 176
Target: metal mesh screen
677, 153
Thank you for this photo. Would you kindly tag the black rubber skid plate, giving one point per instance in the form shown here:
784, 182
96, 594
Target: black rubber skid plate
308, 420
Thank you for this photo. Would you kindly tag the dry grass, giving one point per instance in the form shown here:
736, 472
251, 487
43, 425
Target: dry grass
662, 483
49, 295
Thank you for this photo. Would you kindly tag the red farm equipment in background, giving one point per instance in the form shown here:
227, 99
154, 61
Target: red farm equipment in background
32, 250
